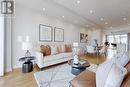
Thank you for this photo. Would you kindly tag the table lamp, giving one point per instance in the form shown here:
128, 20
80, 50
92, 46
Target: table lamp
27, 46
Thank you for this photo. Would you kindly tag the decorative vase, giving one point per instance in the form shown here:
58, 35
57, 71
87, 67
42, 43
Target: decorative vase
76, 60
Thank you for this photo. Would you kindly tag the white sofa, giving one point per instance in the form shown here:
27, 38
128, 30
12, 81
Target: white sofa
44, 61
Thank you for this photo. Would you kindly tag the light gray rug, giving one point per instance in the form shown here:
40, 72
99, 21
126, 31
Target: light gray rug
59, 76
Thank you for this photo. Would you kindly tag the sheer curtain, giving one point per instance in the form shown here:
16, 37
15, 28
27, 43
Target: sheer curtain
1, 46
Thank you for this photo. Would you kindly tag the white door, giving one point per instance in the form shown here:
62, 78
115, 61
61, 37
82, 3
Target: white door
1, 46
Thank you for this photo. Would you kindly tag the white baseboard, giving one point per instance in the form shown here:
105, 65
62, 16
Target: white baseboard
8, 69
16, 66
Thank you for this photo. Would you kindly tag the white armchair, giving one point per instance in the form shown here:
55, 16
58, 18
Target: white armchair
91, 50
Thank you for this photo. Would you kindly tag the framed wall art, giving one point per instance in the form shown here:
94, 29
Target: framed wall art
58, 34
83, 38
45, 33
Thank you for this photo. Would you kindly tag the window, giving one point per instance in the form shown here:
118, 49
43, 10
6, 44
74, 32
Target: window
118, 38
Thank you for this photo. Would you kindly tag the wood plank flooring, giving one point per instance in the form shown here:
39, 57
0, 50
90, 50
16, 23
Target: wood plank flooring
18, 79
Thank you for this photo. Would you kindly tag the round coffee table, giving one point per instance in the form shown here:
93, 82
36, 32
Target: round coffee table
78, 68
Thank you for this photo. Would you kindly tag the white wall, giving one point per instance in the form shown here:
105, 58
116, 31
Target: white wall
1, 46
26, 22
94, 34
8, 43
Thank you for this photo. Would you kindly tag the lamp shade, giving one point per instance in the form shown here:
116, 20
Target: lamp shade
26, 46
75, 44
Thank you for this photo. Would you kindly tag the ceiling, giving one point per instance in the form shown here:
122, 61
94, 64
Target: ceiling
88, 13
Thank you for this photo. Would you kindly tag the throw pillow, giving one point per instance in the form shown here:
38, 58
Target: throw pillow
54, 50
68, 48
62, 48
43, 49
115, 76
46, 50
59, 49
124, 59
102, 72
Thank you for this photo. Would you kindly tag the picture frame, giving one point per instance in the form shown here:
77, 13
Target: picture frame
45, 33
58, 34
83, 38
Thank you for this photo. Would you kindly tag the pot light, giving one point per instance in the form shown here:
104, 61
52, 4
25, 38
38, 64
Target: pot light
124, 19
63, 16
101, 19
106, 22
87, 25
44, 9
91, 11
75, 21
78, 2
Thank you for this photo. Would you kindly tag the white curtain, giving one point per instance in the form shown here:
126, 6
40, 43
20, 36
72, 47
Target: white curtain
1, 46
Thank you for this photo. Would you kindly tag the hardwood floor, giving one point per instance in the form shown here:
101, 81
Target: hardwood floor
18, 79
94, 59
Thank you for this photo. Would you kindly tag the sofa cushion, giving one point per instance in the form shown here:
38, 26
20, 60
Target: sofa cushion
124, 59
68, 48
57, 56
115, 76
61, 48
84, 79
54, 50
46, 50
68, 54
102, 72
53, 57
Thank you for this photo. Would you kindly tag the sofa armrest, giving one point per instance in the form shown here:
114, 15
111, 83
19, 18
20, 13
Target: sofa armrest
39, 59
84, 79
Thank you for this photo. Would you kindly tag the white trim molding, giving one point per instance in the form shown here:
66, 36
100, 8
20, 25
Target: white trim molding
1, 46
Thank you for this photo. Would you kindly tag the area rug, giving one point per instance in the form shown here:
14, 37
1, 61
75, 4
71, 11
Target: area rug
59, 76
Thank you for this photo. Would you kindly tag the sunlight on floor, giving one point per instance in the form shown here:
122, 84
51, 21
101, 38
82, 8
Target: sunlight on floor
98, 59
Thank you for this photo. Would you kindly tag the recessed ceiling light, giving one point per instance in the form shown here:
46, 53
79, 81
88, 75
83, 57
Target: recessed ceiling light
111, 27
63, 16
124, 19
101, 19
106, 22
87, 25
91, 11
78, 2
44, 9
75, 21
